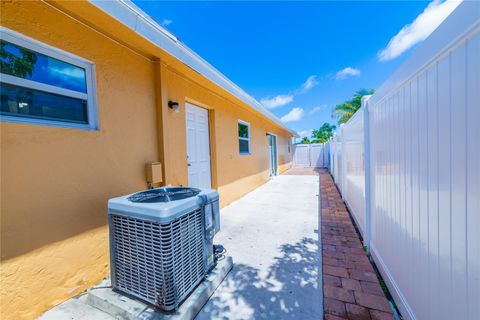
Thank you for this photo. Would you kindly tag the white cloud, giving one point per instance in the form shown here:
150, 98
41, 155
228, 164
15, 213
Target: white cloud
294, 115
166, 22
283, 99
419, 29
73, 75
73, 72
318, 109
347, 72
309, 84
277, 101
305, 133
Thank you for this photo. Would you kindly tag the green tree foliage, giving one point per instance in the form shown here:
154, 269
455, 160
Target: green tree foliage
344, 111
19, 66
305, 141
324, 133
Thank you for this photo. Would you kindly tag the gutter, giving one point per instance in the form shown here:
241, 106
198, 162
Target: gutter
134, 18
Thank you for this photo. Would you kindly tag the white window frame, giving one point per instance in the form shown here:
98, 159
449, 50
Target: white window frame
37, 46
244, 139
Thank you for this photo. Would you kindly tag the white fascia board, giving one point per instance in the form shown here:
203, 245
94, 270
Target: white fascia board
133, 17
463, 21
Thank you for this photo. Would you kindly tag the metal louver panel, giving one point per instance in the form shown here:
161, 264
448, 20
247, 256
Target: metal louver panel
158, 263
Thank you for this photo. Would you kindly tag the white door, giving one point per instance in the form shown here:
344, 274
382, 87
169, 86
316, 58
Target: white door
198, 147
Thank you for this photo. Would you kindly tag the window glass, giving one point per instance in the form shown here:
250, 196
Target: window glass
243, 138
27, 64
242, 130
43, 85
25, 102
244, 146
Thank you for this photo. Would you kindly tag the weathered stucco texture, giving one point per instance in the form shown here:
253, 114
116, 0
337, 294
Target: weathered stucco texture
55, 181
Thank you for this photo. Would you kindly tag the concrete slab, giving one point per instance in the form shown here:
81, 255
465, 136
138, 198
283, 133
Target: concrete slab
75, 309
121, 307
272, 233
102, 303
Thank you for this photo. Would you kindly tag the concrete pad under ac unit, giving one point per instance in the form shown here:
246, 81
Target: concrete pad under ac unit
123, 307
101, 302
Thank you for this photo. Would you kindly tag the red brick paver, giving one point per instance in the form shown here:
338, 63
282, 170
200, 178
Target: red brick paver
350, 286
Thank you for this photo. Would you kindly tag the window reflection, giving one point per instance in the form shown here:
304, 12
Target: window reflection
27, 64
242, 130
25, 102
244, 147
243, 138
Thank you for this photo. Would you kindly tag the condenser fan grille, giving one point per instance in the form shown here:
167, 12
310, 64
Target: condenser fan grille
164, 194
158, 263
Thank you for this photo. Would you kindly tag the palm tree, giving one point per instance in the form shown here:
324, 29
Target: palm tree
323, 134
305, 141
344, 111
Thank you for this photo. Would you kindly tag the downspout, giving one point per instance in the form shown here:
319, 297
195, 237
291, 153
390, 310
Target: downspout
160, 118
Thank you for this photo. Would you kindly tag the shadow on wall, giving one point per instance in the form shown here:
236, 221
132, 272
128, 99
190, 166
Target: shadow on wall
289, 290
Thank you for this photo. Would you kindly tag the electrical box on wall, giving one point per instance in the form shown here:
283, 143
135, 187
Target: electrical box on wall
154, 172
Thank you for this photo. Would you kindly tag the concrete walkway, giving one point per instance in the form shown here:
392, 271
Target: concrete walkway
271, 233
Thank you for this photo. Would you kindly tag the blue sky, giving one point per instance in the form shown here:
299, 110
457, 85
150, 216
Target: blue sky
290, 55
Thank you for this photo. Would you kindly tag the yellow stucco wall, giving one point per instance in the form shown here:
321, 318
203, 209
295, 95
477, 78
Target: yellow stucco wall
55, 181
233, 174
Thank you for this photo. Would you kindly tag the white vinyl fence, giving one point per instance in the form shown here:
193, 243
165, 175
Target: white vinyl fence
310, 155
408, 167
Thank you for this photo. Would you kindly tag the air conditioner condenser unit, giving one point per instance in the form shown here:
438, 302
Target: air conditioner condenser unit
161, 243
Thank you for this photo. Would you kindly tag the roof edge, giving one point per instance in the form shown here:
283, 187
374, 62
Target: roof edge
126, 12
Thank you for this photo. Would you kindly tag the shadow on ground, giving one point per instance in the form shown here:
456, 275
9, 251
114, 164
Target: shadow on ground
288, 290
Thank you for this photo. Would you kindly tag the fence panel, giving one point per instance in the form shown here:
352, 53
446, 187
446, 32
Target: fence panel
301, 155
354, 173
424, 191
309, 155
316, 155
336, 155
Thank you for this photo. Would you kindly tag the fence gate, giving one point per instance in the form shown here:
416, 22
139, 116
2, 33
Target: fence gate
310, 155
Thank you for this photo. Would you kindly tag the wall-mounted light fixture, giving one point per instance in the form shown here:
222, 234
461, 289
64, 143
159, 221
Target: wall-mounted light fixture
174, 105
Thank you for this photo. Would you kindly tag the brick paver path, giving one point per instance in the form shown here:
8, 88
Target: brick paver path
350, 286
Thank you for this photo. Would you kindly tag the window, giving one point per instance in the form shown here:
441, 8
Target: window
288, 145
244, 137
40, 84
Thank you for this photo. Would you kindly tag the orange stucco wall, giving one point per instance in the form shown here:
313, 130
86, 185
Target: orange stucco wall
55, 182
